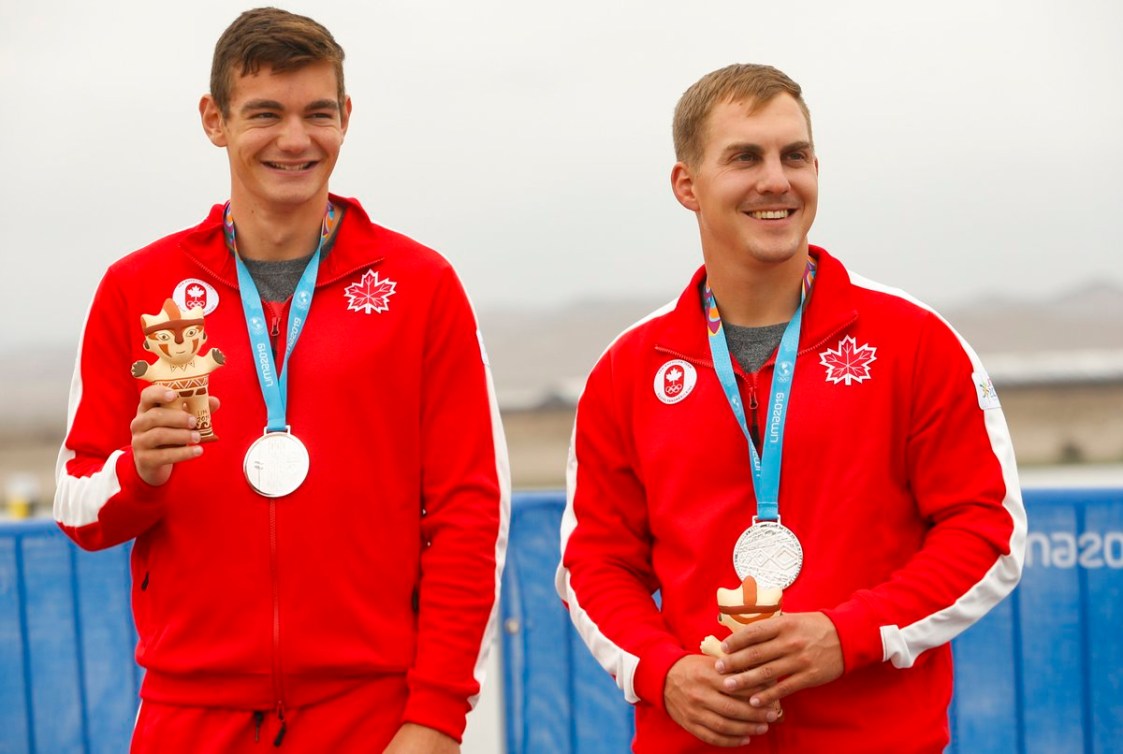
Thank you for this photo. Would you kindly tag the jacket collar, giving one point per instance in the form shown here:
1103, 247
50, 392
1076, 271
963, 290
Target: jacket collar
829, 310
350, 249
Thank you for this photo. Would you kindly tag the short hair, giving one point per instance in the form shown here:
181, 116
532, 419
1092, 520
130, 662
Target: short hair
741, 82
276, 38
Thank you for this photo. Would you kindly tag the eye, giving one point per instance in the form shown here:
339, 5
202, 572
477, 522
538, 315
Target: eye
799, 156
191, 332
164, 335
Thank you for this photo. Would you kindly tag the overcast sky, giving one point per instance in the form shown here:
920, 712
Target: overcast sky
966, 147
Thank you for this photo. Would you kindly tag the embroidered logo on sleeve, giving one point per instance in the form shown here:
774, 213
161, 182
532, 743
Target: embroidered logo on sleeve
370, 294
194, 293
674, 381
988, 397
849, 362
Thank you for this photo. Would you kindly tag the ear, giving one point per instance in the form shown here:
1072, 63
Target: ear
147, 347
345, 116
213, 123
682, 184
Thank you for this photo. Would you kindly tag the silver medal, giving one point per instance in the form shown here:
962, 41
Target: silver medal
276, 464
770, 552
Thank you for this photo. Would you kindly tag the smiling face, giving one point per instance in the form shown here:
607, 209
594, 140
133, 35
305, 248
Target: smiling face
282, 135
755, 187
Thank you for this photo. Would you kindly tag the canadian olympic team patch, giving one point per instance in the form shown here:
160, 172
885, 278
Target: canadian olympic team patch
192, 292
674, 381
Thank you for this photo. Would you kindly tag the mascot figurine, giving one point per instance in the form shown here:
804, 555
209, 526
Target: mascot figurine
739, 607
176, 337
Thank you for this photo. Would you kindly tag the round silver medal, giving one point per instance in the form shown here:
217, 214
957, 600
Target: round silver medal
276, 464
769, 551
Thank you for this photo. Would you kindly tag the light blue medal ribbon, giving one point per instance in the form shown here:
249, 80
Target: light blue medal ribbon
274, 388
767, 550
766, 464
276, 463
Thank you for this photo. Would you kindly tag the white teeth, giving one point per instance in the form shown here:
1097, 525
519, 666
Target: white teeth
278, 166
771, 214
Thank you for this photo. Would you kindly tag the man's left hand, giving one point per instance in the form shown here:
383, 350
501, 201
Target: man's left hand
417, 739
794, 650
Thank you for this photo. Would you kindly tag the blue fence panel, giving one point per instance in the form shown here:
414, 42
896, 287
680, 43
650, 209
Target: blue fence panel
68, 681
557, 698
987, 677
15, 691
1042, 673
1103, 636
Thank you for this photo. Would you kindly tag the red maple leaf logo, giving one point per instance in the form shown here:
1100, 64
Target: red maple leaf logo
849, 362
370, 294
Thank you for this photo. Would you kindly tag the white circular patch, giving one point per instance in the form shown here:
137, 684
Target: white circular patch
674, 381
193, 292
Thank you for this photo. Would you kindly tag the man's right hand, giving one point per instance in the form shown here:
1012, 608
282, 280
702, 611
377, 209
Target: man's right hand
695, 700
163, 434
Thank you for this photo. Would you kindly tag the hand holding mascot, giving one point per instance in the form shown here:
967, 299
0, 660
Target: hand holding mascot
176, 337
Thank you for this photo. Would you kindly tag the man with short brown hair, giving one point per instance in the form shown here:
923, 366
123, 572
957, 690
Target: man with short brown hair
324, 576
897, 521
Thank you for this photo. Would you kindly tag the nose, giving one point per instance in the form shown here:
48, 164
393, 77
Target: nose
294, 135
772, 178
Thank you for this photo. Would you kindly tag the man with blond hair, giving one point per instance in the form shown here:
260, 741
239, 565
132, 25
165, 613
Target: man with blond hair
897, 521
324, 577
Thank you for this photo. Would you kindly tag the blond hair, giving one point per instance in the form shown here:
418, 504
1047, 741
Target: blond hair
741, 82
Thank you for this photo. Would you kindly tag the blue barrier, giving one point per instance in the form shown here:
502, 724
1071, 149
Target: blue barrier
1041, 673
68, 681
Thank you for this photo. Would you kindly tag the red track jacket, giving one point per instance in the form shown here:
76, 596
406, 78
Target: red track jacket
898, 477
386, 561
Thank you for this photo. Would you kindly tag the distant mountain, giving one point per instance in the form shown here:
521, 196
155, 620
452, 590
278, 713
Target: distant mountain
550, 351
541, 356
1090, 317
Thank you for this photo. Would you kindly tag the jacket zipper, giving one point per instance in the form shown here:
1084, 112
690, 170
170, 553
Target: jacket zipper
276, 311
278, 683
754, 431
284, 726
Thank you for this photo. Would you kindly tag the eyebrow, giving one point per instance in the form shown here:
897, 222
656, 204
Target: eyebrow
272, 104
323, 104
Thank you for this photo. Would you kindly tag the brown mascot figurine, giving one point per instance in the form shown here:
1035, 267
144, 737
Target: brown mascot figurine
176, 337
738, 607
